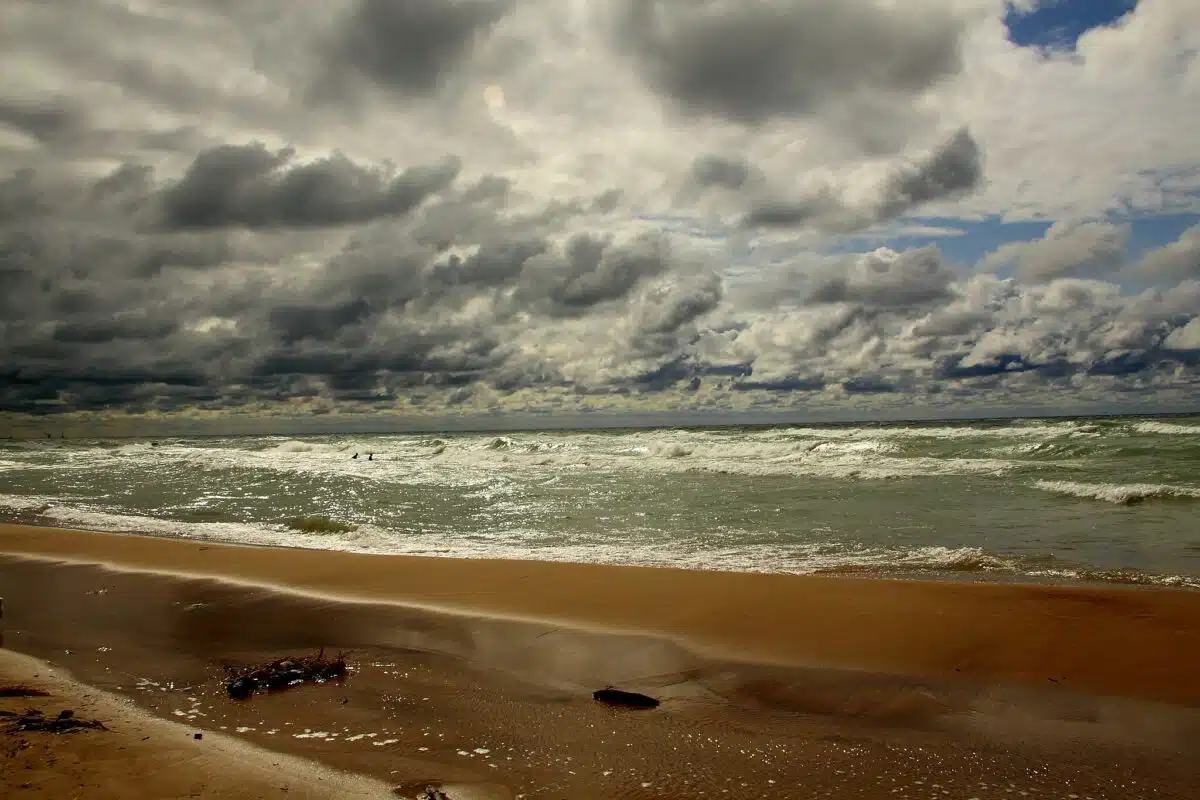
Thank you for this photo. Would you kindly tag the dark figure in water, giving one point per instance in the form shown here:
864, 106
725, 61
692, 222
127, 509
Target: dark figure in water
370, 456
354, 456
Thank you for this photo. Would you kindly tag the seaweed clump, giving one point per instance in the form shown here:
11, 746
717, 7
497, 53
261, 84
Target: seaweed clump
318, 523
283, 673
35, 721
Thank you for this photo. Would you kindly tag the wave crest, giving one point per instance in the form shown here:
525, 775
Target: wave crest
1120, 494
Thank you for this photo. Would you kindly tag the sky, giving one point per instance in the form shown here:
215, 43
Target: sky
424, 210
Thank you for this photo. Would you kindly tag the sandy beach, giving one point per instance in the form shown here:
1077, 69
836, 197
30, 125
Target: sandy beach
478, 674
113, 763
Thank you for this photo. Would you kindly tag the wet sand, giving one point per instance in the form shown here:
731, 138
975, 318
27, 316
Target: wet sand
773, 686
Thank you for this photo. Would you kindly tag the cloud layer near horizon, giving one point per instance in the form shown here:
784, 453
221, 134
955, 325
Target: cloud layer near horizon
434, 206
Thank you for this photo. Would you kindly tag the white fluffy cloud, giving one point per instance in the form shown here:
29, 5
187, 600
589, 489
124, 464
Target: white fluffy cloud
1067, 249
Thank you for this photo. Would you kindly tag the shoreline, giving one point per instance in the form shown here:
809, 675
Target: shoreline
1136, 642
1086, 577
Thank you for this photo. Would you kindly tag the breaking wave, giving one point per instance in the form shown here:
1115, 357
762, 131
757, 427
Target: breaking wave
1166, 429
1122, 494
986, 500
813, 558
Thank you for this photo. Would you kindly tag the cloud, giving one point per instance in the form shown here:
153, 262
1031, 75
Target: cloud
406, 46
588, 271
952, 170
251, 186
886, 278
1178, 259
42, 122
751, 62
726, 173
490, 207
1068, 249
1185, 338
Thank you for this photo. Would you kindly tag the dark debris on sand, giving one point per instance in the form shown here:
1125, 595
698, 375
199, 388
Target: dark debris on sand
420, 791
35, 721
22, 691
623, 699
283, 673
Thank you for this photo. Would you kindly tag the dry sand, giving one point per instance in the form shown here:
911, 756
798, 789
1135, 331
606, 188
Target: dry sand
773, 686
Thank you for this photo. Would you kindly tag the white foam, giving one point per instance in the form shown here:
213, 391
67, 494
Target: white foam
517, 543
1015, 430
1119, 493
860, 453
90, 518
1167, 429
669, 450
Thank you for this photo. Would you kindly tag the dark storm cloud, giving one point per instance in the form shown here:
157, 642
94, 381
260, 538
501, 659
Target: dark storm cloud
905, 282
55, 256
665, 321
750, 62
492, 266
102, 331
589, 270
791, 383
913, 278
203, 272
467, 245
954, 168
393, 360
726, 173
869, 384
673, 308
319, 323
20, 197
774, 213
45, 121
407, 46
253, 187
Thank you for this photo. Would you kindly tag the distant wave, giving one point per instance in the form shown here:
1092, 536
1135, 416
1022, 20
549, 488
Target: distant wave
1167, 429
1122, 494
1017, 430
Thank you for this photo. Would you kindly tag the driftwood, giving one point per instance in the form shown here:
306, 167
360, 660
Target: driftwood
283, 673
65, 722
617, 697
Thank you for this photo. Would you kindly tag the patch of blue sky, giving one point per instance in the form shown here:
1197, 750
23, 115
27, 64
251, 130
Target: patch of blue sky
1058, 24
975, 239
962, 242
